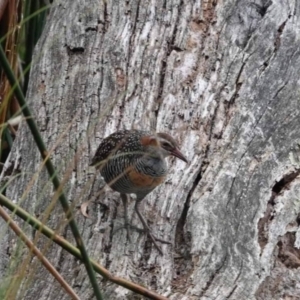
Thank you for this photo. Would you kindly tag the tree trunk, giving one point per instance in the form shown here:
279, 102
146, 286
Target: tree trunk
222, 77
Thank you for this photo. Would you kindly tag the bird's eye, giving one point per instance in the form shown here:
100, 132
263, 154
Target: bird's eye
166, 145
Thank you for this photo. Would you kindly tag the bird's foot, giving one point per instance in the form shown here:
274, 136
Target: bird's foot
128, 227
147, 231
154, 240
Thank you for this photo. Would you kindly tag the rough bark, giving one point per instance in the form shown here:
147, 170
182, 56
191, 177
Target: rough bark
221, 77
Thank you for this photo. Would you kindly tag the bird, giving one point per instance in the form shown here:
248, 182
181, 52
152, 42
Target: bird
133, 162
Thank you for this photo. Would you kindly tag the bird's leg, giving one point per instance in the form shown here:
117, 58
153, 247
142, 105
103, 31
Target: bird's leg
127, 225
148, 230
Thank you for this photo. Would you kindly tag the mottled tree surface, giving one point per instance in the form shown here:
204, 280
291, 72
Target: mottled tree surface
222, 77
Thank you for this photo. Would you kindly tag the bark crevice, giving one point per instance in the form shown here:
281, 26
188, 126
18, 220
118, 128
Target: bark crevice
269, 215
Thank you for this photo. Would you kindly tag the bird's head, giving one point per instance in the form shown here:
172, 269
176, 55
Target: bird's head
163, 144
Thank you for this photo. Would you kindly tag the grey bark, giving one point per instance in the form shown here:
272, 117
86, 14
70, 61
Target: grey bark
221, 77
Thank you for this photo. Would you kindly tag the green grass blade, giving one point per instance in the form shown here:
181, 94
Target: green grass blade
51, 170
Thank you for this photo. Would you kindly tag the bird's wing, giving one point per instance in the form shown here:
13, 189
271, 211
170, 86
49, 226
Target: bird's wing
109, 146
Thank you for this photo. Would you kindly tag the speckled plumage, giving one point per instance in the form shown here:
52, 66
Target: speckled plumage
122, 157
133, 162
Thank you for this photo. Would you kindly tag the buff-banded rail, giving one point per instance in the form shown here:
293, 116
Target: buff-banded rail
134, 162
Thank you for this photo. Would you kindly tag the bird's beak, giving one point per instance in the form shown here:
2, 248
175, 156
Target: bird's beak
179, 155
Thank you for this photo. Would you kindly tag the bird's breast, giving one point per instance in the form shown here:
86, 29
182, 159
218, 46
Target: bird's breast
141, 180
